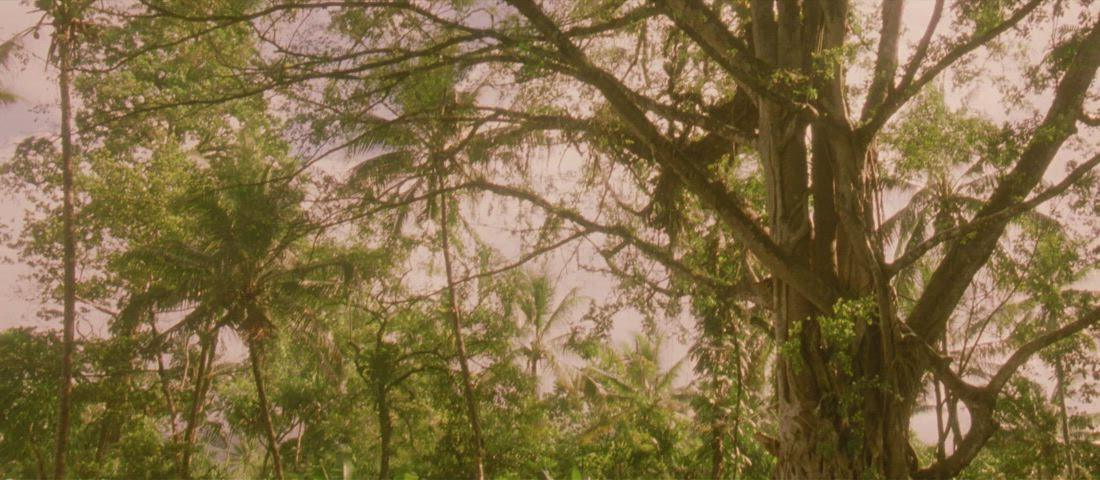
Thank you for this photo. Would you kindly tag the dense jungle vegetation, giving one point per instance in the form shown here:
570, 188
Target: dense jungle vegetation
558, 239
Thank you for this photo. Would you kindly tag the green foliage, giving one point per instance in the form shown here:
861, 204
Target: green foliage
28, 386
214, 210
838, 331
1029, 444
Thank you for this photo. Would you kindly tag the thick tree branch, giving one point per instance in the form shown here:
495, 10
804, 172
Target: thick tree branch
967, 255
729, 207
1021, 356
982, 423
886, 64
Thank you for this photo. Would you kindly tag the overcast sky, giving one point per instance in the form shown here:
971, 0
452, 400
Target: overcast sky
33, 114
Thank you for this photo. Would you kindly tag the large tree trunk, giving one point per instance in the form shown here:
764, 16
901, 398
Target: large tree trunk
804, 434
843, 408
255, 355
63, 41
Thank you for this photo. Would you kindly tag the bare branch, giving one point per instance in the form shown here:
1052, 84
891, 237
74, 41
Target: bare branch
654, 251
1021, 356
922, 47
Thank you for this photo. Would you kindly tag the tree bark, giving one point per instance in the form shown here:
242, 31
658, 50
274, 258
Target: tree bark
800, 383
843, 404
63, 40
255, 355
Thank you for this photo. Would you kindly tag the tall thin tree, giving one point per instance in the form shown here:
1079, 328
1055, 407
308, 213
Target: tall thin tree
460, 344
63, 40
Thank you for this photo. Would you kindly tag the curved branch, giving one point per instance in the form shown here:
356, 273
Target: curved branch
654, 251
968, 255
922, 47
1021, 356
886, 63
982, 424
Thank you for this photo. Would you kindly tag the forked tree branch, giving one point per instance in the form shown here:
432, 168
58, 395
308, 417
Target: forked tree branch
886, 62
907, 89
982, 404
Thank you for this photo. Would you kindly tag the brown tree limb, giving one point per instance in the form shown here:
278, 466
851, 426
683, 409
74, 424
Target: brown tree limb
921, 51
1024, 353
967, 255
983, 405
886, 62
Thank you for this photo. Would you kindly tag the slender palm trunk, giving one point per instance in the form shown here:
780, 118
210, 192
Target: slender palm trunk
460, 344
1063, 413
198, 400
298, 445
265, 410
535, 372
717, 448
166, 387
63, 39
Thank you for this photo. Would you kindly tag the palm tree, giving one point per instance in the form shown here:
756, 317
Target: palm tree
235, 264
540, 320
632, 406
7, 48
634, 373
